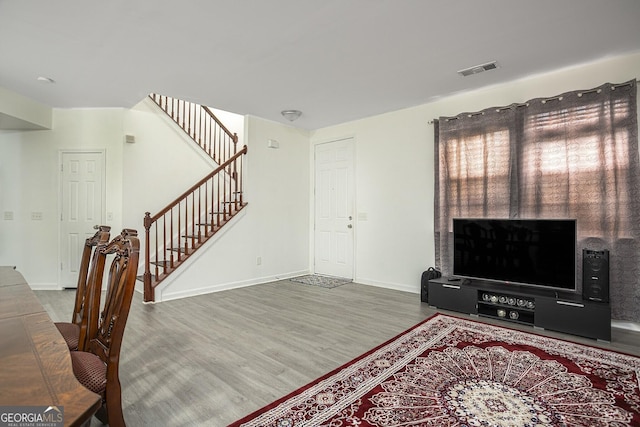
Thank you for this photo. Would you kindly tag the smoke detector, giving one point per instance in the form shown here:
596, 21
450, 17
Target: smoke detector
478, 69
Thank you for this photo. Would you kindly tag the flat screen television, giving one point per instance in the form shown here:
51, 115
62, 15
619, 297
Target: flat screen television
529, 252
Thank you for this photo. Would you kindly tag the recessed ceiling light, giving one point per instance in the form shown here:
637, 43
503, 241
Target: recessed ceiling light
45, 79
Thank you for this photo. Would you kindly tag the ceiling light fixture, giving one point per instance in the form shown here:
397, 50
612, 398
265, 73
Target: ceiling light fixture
45, 79
478, 69
291, 115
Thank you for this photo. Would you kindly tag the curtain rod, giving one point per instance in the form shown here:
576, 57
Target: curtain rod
546, 99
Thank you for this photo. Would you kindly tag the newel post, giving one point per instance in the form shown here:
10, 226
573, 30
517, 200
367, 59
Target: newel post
148, 289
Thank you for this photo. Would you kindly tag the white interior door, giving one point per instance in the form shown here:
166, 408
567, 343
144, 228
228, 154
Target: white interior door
82, 206
334, 194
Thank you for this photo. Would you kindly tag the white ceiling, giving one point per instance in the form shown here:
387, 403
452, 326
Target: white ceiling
336, 60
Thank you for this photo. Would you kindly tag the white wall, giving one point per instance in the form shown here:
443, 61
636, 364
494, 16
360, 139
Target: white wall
273, 227
29, 182
393, 173
159, 166
19, 112
394, 168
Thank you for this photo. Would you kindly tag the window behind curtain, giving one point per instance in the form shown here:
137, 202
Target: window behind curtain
576, 161
570, 156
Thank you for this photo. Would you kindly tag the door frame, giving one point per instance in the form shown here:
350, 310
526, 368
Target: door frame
353, 201
61, 153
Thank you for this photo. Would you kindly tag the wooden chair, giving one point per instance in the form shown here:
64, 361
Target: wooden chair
75, 332
97, 367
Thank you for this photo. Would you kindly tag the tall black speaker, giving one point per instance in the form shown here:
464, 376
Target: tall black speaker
595, 275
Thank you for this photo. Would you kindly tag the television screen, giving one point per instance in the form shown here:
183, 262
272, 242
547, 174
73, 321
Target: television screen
532, 252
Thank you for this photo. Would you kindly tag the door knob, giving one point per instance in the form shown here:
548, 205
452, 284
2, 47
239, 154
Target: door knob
349, 226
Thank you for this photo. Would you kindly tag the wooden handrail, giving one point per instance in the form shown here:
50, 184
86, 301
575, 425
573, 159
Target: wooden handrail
234, 136
197, 185
201, 125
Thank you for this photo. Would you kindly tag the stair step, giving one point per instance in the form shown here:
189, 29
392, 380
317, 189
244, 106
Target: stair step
186, 251
141, 278
164, 263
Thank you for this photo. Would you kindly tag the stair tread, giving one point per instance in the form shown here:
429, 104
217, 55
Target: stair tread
183, 250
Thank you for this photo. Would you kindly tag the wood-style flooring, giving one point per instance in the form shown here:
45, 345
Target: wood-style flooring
212, 359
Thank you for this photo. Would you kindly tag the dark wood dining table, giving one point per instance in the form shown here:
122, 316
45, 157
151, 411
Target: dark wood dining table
35, 362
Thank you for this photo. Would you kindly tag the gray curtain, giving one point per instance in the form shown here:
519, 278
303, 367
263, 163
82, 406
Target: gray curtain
571, 156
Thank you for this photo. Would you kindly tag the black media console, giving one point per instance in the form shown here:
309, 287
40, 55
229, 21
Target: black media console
558, 311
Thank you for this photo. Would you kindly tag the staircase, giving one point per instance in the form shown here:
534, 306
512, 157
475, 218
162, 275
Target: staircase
184, 225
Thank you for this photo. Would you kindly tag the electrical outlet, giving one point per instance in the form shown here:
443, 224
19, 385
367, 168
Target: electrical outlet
259, 260
8, 216
36, 216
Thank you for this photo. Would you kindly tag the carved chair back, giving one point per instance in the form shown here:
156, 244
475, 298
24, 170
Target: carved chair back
106, 340
101, 236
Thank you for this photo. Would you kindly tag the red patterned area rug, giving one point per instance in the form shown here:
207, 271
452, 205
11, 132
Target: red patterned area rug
448, 371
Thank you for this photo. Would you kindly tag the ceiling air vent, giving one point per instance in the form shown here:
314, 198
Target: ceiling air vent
478, 69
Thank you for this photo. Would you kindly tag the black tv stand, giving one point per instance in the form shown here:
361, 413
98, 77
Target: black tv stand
558, 311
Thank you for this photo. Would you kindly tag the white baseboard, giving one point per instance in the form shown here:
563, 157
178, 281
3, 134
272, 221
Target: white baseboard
45, 287
394, 286
622, 324
168, 295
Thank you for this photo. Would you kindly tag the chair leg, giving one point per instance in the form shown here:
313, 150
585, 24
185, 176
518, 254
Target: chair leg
113, 404
101, 415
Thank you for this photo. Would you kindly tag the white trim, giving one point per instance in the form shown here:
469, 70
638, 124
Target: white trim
387, 285
168, 296
45, 287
